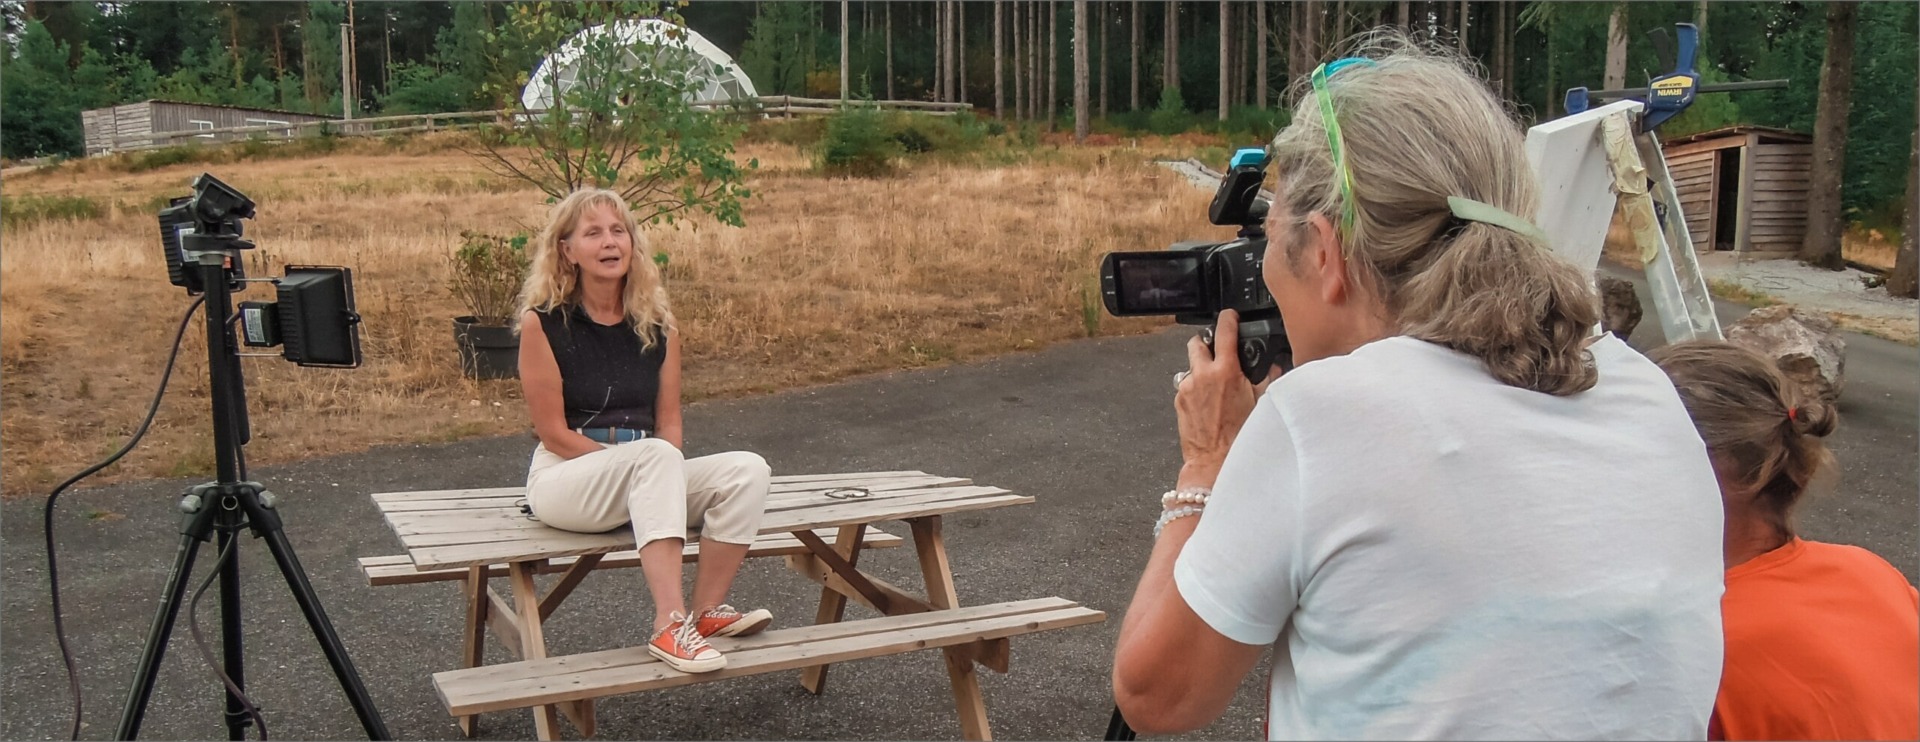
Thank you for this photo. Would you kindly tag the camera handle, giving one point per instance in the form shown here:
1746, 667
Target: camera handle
1263, 343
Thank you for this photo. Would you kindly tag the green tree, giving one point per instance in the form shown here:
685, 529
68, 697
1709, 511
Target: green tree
781, 46
626, 122
455, 76
39, 113
320, 54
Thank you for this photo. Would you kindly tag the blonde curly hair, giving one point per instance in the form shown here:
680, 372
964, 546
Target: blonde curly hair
553, 284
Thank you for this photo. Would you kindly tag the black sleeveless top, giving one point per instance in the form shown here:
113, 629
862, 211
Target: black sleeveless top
606, 379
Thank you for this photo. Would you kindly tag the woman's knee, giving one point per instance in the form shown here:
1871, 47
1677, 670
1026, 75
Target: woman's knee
750, 467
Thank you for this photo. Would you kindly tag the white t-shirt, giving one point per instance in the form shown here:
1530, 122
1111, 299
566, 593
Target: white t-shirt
1442, 556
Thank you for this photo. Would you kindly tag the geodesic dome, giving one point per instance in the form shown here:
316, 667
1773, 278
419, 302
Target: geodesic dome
724, 80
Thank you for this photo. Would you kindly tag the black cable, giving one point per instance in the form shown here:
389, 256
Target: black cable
206, 652
53, 572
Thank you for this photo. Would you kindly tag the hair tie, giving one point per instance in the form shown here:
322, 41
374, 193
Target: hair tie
1793, 414
1484, 213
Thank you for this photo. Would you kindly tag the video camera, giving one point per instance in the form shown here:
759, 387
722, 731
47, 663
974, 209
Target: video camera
1197, 280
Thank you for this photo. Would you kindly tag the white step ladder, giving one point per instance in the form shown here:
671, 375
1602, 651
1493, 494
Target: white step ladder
1589, 162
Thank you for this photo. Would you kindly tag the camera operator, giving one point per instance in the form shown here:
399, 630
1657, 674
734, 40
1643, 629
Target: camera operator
600, 362
1459, 516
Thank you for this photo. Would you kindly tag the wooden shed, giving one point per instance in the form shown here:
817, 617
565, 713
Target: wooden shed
103, 126
1743, 188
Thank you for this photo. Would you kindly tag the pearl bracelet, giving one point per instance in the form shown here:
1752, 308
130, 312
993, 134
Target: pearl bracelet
1172, 515
1188, 496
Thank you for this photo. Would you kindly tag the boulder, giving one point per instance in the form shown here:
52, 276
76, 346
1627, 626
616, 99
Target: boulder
1619, 307
1803, 345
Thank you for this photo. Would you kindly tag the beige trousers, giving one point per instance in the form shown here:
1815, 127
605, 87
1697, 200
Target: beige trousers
649, 484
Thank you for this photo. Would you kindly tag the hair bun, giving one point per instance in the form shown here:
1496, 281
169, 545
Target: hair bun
1814, 418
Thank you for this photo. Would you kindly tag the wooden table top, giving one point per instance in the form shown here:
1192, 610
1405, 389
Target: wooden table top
444, 529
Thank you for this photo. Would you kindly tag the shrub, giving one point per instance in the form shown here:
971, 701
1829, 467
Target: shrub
165, 157
1171, 116
857, 143
17, 210
485, 275
804, 133
1251, 124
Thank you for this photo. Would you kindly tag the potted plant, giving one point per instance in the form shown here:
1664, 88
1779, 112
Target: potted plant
485, 275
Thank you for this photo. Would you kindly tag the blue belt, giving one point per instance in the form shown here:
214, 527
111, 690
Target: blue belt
615, 436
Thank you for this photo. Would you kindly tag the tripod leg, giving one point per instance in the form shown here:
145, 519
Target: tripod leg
156, 647
232, 656
266, 523
1117, 728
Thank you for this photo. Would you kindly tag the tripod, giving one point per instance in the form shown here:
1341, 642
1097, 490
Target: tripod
221, 509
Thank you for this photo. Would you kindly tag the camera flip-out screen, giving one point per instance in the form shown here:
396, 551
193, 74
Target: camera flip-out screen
1158, 283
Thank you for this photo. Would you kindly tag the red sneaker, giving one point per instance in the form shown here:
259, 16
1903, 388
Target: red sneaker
683, 648
725, 621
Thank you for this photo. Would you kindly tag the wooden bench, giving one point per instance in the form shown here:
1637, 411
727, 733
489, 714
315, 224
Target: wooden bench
821, 523
593, 675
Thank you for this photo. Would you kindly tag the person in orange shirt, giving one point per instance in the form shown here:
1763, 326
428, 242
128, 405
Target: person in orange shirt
1823, 640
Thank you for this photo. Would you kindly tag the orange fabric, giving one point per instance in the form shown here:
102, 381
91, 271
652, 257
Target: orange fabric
1823, 642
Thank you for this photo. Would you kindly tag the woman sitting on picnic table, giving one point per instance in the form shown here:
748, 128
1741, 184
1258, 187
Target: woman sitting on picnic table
600, 362
1460, 516
1823, 640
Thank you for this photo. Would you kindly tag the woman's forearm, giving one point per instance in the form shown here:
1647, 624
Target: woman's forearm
568, 444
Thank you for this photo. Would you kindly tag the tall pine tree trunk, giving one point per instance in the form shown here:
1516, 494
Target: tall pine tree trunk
1106, 62
959, 49
1014, 57
1260, 54
1403, 16
890, 51
846, 35
1315, 20
999, 68
1616, 71
1500, 44
1036, 59
1082, 115
940, 51
1295, 14
1466, 17
1826, 223
1173, 45
1905, 280
1700, 17
1133, 60
1339, 23
1226, 58
1053, 63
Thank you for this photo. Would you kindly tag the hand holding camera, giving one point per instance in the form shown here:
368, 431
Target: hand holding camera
1197, 282
1212, 400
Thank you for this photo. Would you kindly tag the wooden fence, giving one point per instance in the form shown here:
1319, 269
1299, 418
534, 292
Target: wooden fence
782, 106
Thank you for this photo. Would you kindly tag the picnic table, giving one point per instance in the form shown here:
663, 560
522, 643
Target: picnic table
821, 524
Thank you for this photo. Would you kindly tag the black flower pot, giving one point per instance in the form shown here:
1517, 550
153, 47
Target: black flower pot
486, 351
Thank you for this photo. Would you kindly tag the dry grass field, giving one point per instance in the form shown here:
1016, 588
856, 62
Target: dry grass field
829, 278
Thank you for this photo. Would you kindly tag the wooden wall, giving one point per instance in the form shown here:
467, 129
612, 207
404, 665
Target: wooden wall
103, 126
1778, 219
1696, 179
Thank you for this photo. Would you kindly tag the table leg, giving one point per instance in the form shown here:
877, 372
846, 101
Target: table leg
935, 569
476, 635
833, 605
526, 600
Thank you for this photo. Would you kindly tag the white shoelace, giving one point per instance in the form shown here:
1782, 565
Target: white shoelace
688, 637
